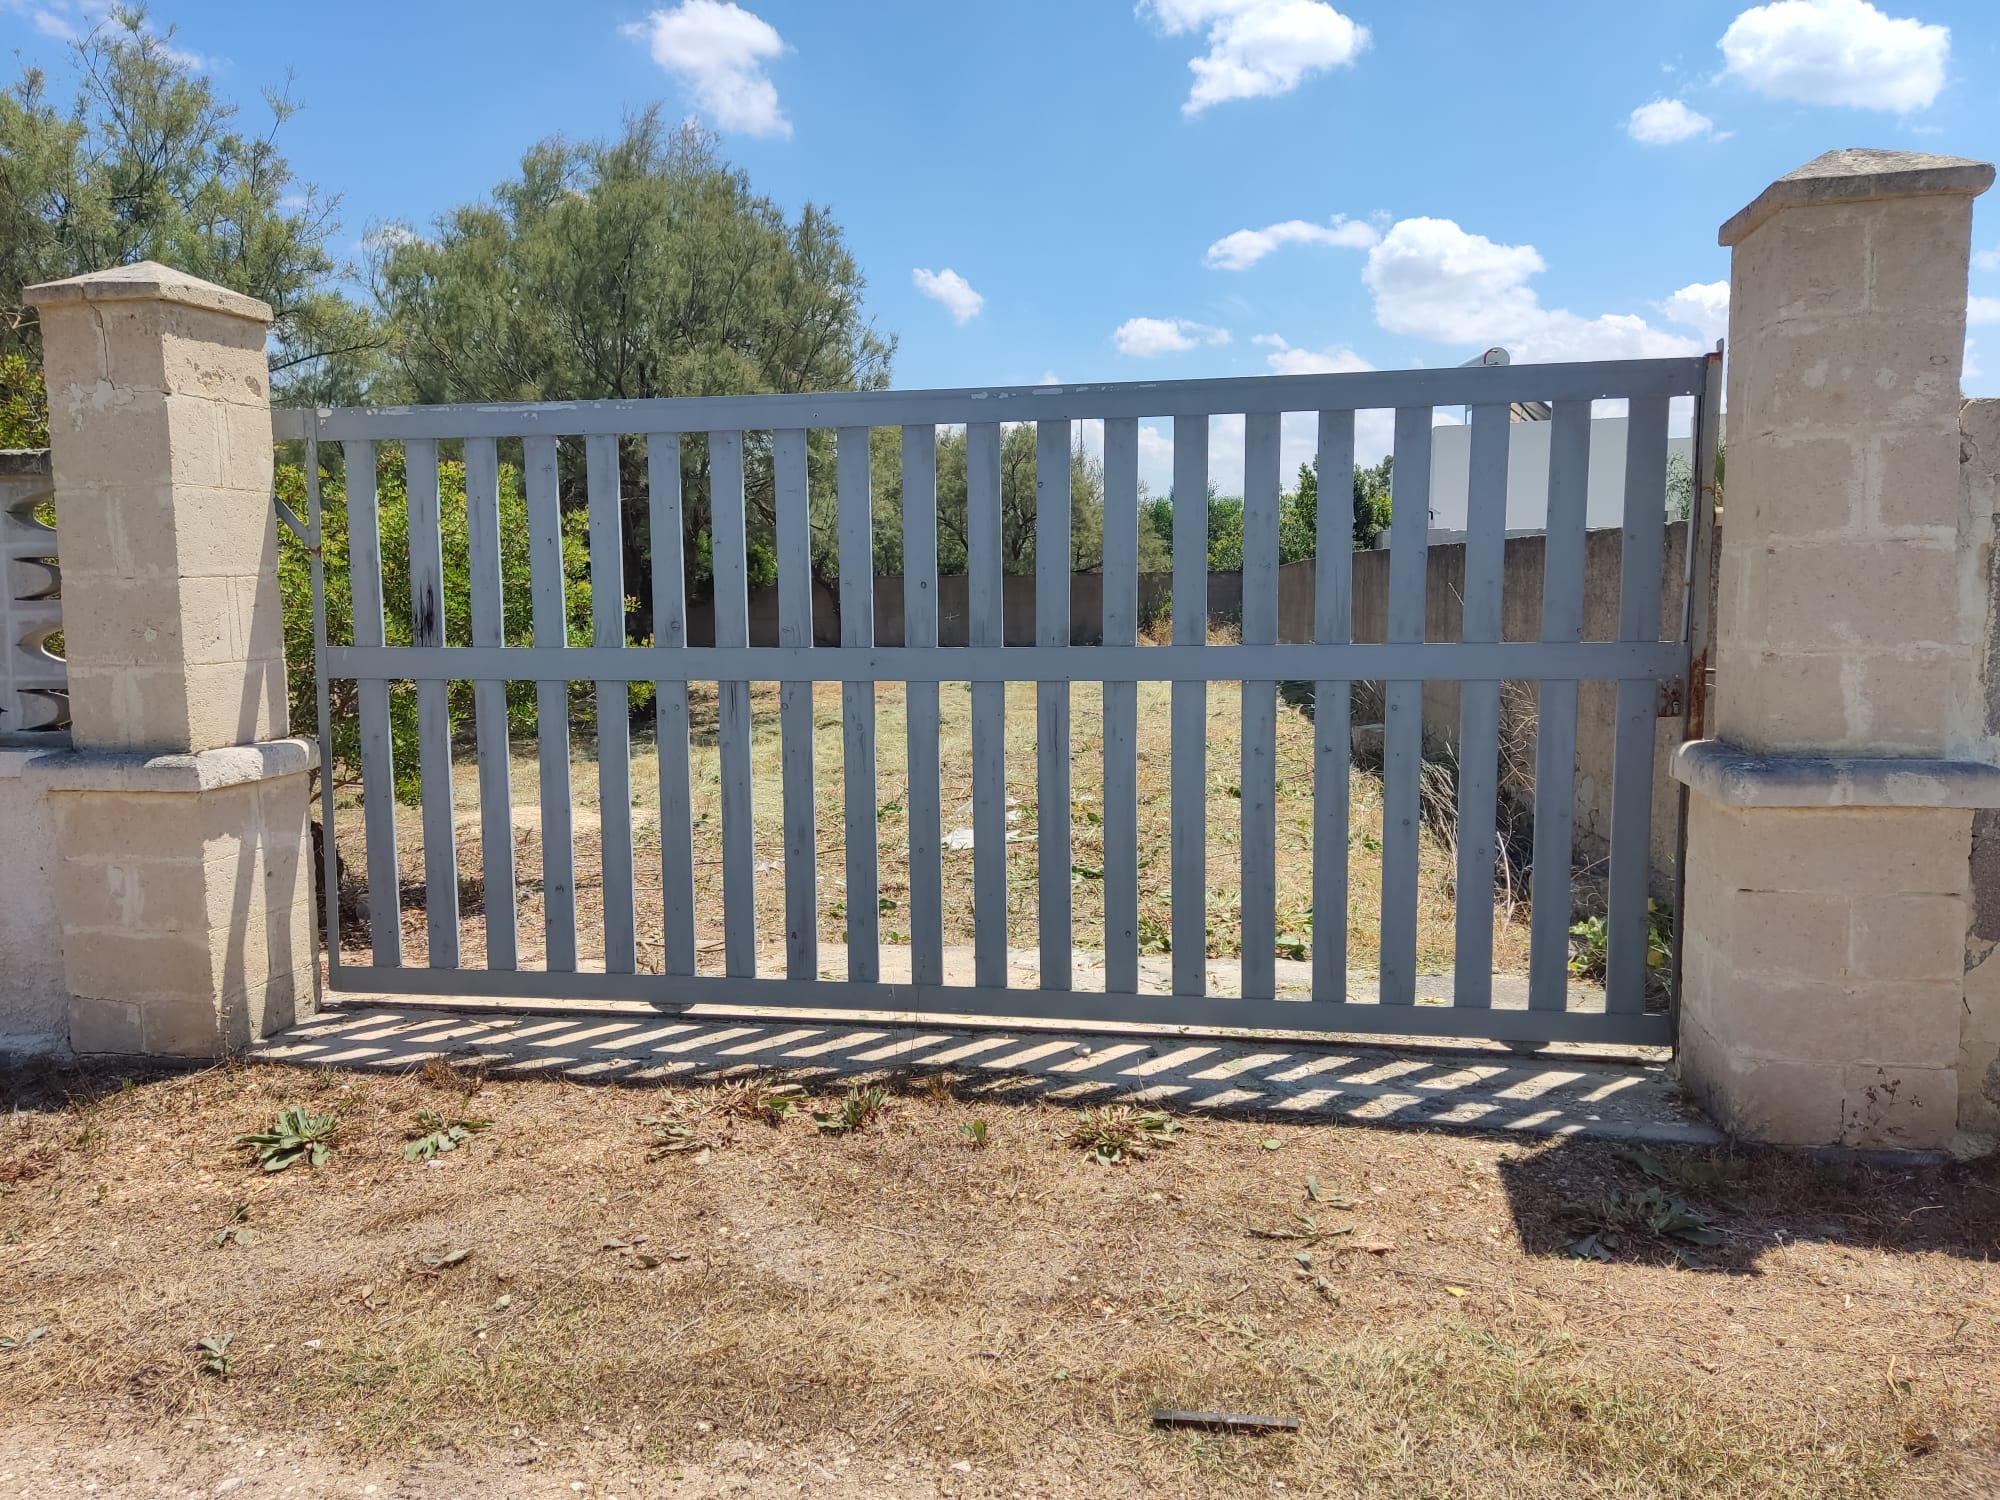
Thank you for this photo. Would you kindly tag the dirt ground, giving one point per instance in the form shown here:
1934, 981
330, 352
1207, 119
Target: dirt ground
901, 1309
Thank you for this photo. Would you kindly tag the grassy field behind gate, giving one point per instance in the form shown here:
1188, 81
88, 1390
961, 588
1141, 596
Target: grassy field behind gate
1295, 917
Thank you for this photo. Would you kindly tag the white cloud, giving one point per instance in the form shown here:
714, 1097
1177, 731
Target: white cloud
1156, 458
72, 20
385, 237
952, 289
1374, 430
719, 50
1972, 371
1702, 306
1258, 48
1286, 359
1143, 338
1433, 280
1244, 248
1987, 260
1980, 311
1837, 52
1667, 122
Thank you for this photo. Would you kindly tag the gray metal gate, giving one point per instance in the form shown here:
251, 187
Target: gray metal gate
551, 438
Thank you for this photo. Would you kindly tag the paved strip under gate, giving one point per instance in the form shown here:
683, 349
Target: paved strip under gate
705, 459
1631, 1099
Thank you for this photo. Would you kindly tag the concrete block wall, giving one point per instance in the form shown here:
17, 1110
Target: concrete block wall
1977, 1060
177, 876
1834, 983
34, 997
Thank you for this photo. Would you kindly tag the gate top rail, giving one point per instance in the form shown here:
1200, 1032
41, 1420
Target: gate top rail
1362, 390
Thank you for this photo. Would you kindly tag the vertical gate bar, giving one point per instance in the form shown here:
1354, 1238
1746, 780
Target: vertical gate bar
379, 747
1479, 709
1695, 629
1403, 705
378, 752
855, 500
1189, 784
1121, 708
489, 702
1258, 777
329, 848
1640, 564
1052, 825
663, 495
920, 632
1333, 616
1555, 709
614, 714
420, 469
986, 626
729, 548
795, 703
547, 587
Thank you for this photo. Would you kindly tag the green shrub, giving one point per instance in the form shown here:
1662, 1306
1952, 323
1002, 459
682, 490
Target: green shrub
392, 507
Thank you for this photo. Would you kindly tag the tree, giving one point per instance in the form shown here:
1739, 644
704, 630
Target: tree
1017, 503
630, 269
1298, 518
148, 164
1298, 524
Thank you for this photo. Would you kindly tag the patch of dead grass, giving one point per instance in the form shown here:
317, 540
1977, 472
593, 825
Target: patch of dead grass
886, 1295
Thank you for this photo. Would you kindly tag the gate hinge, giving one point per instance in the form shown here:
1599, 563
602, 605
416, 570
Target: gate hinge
1673, 698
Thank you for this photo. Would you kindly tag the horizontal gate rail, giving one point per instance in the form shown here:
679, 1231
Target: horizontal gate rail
672, 992
1437, 661
1369, 390
812, 459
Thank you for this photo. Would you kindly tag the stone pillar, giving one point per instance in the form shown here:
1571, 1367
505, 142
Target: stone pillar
185, 890
1830, 820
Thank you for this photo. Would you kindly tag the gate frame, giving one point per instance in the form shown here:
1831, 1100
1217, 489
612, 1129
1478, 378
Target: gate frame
1637, 660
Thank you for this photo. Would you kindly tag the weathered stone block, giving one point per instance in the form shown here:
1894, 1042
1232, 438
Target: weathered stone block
186, 1026
1895, 1106
1912, 479
1860, 851
106, 1027
1796, 487
106, 964
1893, 1023
1919, 249
1907, 703
1792, 934
1900, 937
1769, 702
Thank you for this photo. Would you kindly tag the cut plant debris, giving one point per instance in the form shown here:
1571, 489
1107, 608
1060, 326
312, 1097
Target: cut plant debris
1111, 1133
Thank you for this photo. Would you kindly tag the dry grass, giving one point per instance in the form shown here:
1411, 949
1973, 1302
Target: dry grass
1294, 768
791, 1311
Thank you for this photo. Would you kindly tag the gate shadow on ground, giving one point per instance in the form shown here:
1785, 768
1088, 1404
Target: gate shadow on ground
1717, 1210
1288, 1079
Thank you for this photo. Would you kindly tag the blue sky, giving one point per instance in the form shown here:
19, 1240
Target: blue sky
1102, 180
